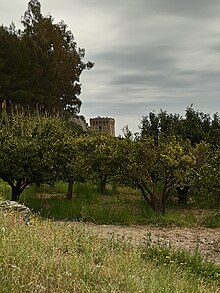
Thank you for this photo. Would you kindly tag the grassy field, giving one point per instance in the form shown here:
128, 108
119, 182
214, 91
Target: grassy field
49, 257
125, 207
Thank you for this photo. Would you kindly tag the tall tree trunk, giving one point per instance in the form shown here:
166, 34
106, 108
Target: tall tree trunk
70, 189
182, 195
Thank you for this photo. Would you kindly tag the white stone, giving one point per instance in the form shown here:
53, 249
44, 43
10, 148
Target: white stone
9, 205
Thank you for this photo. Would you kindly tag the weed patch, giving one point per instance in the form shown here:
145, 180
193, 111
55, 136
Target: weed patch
193, 263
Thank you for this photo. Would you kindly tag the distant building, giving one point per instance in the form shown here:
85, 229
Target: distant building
102, 124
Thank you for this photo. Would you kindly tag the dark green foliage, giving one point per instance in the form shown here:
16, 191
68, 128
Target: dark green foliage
41, 64
156, 168
207, 180
212, 221
13, 67
194, 126
33, 149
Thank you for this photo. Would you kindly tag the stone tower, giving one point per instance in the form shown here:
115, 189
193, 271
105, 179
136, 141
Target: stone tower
106, 124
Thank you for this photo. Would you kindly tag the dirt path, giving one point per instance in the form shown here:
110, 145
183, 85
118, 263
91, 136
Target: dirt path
207, 240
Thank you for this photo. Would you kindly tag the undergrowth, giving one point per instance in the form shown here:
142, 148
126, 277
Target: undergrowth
124, 207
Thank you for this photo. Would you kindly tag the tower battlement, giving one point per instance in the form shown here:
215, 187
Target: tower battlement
103, 124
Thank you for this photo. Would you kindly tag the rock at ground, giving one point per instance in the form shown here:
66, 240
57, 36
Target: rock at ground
13, 206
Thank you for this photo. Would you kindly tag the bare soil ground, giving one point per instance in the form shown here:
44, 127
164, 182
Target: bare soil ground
206, 240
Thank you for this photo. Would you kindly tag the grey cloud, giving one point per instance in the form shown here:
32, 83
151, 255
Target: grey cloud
137, 57
193, 8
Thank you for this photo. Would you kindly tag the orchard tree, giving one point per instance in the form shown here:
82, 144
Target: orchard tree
195, 126
92, 156
104, 156
75, 162
156, 170
206, 180
31, 149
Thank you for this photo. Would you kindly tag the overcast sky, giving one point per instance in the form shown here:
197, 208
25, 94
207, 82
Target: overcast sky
148, 54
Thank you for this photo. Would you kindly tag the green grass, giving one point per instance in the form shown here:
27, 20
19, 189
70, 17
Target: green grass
5, 190
61, 257
125, 207
212, 221
193, 263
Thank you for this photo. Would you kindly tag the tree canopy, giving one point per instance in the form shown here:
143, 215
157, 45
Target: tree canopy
33, 149
156, 169
195, 126
41, 64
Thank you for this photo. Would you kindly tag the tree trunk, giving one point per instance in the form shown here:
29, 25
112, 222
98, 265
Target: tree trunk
114, 186
70, 189
158, 205
182, 195
16, 192
103, 182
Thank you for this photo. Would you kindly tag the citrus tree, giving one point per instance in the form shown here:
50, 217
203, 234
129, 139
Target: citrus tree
31, 148
75, 163
156, 169
104, 158
207, 178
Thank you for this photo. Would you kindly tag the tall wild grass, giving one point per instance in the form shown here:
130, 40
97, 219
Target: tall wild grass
61, 257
